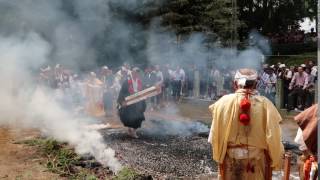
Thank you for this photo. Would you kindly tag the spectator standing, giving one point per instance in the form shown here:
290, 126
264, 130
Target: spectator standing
190, 80
150, 79
211, 84
269, 80
177, 78
286, 82
107, 80
310, 89
167, 83
159, 82
298, 85
219, 80
183, 81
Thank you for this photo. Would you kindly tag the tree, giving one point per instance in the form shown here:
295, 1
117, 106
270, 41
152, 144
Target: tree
214, 18
274, 16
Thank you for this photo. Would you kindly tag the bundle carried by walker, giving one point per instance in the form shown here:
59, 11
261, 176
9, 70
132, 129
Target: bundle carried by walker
142, 95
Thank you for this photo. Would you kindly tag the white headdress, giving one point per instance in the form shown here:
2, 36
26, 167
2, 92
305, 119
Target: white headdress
282, 66
241, 78
93, 74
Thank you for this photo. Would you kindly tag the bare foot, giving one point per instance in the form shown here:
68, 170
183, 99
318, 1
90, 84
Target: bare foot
132, 133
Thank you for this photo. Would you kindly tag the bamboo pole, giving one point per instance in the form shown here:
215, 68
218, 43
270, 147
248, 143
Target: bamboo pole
287, 164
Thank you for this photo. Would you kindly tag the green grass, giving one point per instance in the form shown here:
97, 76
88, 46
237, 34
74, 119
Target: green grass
293, 60
59, 158
62, 160
126, 174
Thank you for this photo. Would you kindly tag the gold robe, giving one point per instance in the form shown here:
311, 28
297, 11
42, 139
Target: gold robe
264, 134
94, 98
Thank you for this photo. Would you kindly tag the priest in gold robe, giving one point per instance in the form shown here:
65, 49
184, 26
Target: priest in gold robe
94, 96
245, 132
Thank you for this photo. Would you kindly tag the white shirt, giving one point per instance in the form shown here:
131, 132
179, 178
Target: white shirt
159, 75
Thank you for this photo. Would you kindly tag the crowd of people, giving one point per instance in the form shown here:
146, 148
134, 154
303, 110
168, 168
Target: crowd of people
243, 151
298, 84
98, 91
294, 36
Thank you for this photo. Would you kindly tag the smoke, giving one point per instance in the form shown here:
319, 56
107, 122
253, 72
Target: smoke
164, 47
39, 32
36, 33
173, 128
29, 106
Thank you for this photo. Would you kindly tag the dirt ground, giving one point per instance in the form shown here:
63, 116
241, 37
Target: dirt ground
18, 161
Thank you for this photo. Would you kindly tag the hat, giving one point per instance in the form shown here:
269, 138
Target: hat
135, 69
272, 66
282, 66
105, 67
303, 65
93, 74
48, 68
123, 68
243, 75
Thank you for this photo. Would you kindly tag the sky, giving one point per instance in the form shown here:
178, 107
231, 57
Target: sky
307, 24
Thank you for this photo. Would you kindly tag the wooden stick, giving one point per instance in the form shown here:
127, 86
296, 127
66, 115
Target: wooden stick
287, 164
268, 169
142, 95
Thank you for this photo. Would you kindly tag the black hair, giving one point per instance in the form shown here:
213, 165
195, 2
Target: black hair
250, 84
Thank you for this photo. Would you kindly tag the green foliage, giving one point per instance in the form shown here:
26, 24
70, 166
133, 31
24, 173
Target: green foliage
294, 48
84, 175
213, 18
126, 174
274, 16
293, 60
31, 142
60, 159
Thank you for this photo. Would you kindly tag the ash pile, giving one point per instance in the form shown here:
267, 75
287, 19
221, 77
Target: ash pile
165, 149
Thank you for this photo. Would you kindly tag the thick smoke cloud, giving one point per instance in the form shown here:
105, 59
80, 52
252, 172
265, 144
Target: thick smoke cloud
163, 48
35, 33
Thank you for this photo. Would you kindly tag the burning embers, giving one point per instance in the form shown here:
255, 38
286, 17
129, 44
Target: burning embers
165, 149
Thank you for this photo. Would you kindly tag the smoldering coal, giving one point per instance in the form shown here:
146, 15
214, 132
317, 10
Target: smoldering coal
162, 127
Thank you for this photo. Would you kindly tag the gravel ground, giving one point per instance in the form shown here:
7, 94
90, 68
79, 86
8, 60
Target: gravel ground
165, 150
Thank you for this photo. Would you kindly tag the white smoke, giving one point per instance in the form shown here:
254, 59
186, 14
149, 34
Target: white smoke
39, 32
163, 48
36, 33
24, 104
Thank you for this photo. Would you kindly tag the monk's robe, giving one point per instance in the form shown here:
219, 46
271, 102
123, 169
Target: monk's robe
234, 147
94, 98
132, 115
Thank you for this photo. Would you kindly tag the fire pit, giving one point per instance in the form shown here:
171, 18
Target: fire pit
165, 149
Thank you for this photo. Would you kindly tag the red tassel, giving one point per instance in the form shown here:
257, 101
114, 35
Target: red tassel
244, 119
245, 104
248, 168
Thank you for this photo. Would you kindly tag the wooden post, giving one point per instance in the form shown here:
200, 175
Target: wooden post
287, 164
196, 87
316, 100
279, 94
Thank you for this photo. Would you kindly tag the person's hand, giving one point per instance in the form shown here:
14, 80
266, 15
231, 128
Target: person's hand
290, 88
